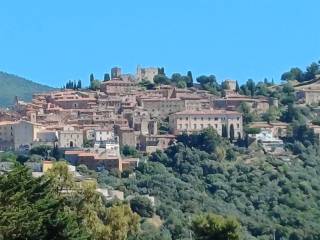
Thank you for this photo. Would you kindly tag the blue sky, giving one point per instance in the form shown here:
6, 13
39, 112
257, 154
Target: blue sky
55, 41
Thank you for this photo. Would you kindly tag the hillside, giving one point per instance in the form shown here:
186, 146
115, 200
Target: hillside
12, 85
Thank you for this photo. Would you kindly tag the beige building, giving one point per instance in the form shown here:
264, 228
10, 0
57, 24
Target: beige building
116, 87
126, 135
69, 137
152, 143
308, 96
162, 107
18, 135
25, 133
46, 137
233, 101
309, 93
195, 121
146, 73
231, 84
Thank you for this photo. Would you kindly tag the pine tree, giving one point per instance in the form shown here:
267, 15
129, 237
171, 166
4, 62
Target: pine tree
35, 211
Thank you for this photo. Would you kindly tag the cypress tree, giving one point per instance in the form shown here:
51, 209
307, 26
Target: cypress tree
237, 87
106, 77
224, 131
91, 78
79, 85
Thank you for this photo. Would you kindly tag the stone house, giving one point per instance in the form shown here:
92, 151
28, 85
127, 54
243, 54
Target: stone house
70, 137
308, 96
25, 133
233, 101
6, 135
116, 87
146, 73
152, 143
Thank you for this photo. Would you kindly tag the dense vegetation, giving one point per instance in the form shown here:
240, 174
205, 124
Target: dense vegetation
12, 85
270, 196
301, 76
56, 207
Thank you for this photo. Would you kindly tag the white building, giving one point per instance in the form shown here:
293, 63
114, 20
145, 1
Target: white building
268, 141
102, 135
110, 194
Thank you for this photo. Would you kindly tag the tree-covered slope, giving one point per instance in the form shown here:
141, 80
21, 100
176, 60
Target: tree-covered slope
12, 85
271, 197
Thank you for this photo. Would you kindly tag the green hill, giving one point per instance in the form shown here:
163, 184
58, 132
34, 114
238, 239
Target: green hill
12, 85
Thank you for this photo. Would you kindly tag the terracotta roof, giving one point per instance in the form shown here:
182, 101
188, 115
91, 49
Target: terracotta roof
160, 99
208, 112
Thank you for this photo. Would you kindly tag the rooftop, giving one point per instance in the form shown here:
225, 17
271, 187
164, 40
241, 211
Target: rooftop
208, 112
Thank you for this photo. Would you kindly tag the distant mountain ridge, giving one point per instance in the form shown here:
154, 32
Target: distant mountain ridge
12, 85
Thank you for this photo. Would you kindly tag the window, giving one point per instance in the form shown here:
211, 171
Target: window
195, 126
216, 119
238, 125
201, 126
209, 119
216, 125
180, 126
186, 126
195, 118
186, 118
201, 118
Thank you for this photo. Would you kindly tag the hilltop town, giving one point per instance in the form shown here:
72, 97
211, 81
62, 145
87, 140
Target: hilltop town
177, 146
144, 112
